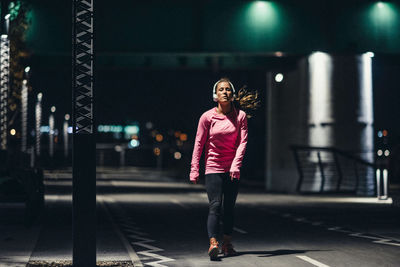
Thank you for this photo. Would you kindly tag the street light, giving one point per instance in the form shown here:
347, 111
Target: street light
7, 18
65, 135
24, 114
51, 132
4, 84
38, 117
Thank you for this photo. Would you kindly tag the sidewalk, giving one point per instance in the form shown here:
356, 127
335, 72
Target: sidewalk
17, 240
48, 242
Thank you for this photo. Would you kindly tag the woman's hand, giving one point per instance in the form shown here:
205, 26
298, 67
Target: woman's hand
234, 175
194, 179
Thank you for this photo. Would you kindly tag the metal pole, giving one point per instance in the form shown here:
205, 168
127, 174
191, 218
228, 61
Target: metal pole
4, 84
385, 184
51, 132
378, 182
38, 117
24, 114
84, 146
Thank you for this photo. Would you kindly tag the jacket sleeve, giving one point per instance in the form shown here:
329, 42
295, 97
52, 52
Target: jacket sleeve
201, 137
241, 149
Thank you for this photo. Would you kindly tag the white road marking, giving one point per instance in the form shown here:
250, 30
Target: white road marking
134, 257
378, 240
137, 237
239, 230
301, 219
364, 236
387, 242
338, 229
312, 261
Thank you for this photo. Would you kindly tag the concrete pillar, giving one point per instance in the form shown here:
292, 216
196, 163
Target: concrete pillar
324, 101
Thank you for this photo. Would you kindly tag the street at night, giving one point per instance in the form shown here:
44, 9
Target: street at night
199, 133
149, 219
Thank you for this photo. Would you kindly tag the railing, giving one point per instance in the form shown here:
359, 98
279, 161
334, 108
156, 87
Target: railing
330, 170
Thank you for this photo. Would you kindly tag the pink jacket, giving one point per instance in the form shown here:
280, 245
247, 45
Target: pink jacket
225, 139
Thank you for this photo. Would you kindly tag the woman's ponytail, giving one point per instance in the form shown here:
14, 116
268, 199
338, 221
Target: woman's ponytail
247, 101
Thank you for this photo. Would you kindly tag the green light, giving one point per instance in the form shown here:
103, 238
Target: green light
13, 8
383, 14
262, 16
131, 129
382, 22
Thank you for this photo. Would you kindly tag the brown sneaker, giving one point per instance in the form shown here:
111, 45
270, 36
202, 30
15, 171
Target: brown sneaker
227, 247
213, 250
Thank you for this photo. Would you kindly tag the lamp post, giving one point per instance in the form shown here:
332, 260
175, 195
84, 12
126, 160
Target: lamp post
24, 114
51, 131
65, 135
38, 117
4, 84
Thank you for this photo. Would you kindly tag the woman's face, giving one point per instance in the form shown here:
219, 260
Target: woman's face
224, 92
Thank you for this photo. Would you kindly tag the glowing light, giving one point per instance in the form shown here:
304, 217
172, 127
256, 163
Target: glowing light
134, 143
279, 77
370, 54
385, 132
159, 137
7, 16
380, 134
24, 82
183, 137
383, 17
27, 69
278, 54
387, 153
53, 109
13, 131
110, 128
262, 16
66, 117
44, 129
118, 148
39, 97
157, 151
380, 152
259, 12
177, 155
131, 129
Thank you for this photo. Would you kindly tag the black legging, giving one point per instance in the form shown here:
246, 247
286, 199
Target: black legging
220, 188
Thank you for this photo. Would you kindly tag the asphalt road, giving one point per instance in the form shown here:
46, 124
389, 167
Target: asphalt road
152, 220
165, 224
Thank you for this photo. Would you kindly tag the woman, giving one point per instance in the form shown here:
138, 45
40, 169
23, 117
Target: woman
223, 132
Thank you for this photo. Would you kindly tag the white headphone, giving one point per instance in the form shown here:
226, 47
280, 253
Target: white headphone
215, 97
